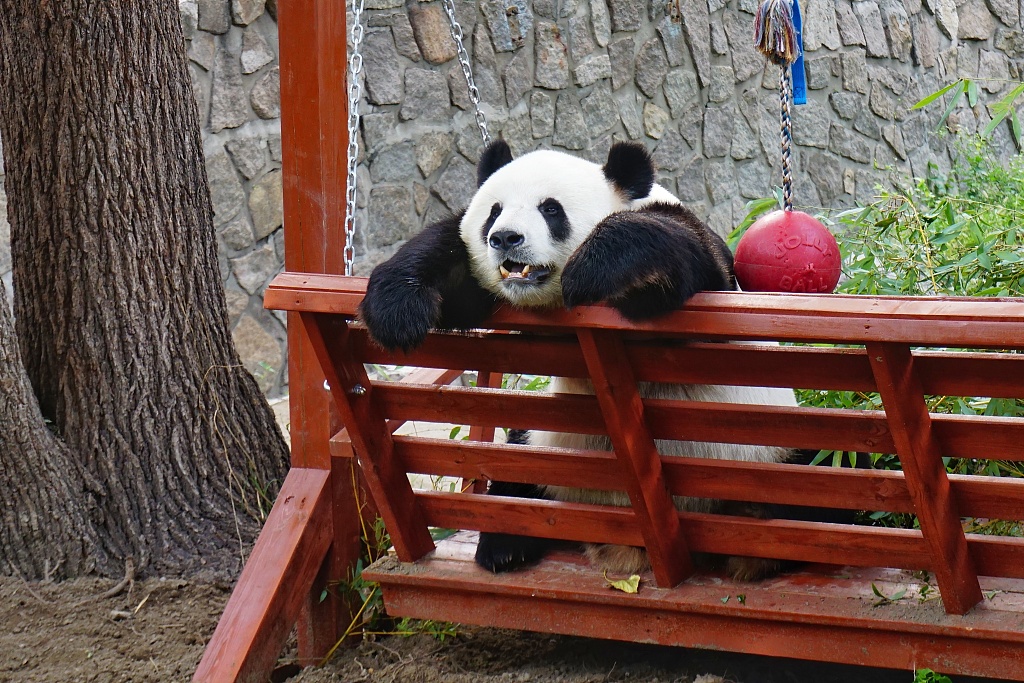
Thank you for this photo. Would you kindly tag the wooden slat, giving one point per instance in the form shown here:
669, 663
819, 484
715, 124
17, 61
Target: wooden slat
268, 596
640, 464
354, 396
925, 474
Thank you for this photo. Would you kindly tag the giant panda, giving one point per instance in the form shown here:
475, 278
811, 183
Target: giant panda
549, 229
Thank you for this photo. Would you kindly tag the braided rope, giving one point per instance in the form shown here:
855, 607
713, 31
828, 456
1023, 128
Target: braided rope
786, 134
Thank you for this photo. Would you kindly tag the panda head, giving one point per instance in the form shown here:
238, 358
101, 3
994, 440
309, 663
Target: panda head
530, 214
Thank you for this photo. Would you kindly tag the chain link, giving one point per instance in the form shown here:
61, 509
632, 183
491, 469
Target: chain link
467, 69
355, 93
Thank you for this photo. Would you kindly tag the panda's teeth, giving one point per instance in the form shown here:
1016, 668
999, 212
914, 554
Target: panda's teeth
526, 270
504, 272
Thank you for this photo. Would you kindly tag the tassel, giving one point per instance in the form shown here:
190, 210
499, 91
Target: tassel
774, 33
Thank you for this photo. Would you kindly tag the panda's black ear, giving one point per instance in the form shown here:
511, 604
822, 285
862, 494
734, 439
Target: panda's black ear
630, 168
494, 156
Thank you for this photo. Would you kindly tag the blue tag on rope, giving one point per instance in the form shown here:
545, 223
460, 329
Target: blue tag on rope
799, 78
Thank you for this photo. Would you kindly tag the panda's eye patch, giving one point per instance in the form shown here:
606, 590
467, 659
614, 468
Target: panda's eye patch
495, 211
551, 207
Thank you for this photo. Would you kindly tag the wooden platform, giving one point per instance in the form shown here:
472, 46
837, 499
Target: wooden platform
822, 613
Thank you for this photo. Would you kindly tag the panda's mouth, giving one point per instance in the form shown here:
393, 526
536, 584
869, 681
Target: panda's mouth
523, 273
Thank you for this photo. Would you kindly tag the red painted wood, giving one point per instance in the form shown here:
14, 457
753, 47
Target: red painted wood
276, 578
354, 396
485, 433
919, 454
640, 464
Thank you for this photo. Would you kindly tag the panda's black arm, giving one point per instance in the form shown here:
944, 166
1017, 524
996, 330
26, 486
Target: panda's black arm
647, 263
426, 284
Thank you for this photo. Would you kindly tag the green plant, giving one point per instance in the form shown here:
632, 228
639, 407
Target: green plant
929, 676
968, 88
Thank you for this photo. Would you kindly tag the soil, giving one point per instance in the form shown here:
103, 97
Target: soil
155, 632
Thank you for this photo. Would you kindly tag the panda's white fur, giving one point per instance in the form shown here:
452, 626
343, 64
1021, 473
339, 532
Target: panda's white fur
587, 197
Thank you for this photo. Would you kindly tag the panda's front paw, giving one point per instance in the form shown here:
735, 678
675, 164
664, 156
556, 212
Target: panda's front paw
505, 552
398, 311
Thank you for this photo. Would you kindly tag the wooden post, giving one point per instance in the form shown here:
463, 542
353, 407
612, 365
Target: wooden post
314, 137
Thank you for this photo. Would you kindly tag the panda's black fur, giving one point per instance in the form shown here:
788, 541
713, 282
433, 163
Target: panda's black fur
547, 230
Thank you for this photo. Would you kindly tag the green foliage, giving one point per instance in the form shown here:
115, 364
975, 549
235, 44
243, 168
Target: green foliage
929, 676
1001, 110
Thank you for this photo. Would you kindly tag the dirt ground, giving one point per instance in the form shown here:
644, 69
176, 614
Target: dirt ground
71, 633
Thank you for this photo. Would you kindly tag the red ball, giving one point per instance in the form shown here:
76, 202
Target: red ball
788, 251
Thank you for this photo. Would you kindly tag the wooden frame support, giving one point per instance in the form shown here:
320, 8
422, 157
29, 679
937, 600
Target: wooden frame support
911, 427
270, 592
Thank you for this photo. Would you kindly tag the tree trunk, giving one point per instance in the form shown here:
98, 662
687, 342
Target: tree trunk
118, 300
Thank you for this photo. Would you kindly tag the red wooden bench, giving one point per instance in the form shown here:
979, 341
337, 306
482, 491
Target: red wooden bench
831, 609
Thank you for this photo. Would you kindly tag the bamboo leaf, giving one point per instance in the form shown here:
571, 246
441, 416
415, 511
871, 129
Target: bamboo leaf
935, 95
972, 92
957, 92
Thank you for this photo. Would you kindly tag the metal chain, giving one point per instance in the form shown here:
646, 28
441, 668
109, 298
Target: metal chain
787, 139
467, 69
355, 92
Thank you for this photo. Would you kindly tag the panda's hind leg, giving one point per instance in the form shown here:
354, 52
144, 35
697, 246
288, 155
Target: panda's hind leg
620, 559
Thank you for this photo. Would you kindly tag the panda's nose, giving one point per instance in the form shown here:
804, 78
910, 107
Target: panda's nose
505, 239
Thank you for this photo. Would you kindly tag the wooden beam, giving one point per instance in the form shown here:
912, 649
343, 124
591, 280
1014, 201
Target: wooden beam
274, 583
911, 427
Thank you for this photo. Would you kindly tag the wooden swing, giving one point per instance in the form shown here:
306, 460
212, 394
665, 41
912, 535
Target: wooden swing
863, 599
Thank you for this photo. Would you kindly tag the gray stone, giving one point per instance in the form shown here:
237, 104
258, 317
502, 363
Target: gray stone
272, 9
1010, 43
420, 197
457, 184
627, 15
226, 193
697, 24
599, 109
946, 14
720, 219
552, 63
542, 114
675, 42
602, 22
469, 143
518, 77
201, 93
431, 151
850, 31
819, 72
214, 16
926, 41
244, 12
994, 66
405, 39
894, 79
810, 125
620, 53
893, 136
681, 90
5, 239
485, 67
691, 123
629, 114
570, 126
266, 204
458, 91
228, 108
720, 180
849, 144
274, 146
915, 132
874, 31
976, 22
381, 68
1007, 11
426, 96
259, 352
855, 71
718, 125
820, 28
430, 28
248, 155
391, 215
897, 28
256, 52
690, 182
826, 173
656, 120
753, 181
592, 69
719, 41
265, 96
882, 103
723, 83
746, 60
393, 163
188, 14
376, 128
913, 6
517, 132
203, 50
744, 140
669, 154
580, 42
256, 268
237, 301
866, 124
510, 23
237, 233
868, 182
651, 67
846, 104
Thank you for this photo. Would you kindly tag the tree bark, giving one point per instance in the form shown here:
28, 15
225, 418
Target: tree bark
118, 300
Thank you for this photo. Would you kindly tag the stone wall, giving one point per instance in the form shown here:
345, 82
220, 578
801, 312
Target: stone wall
576, 75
